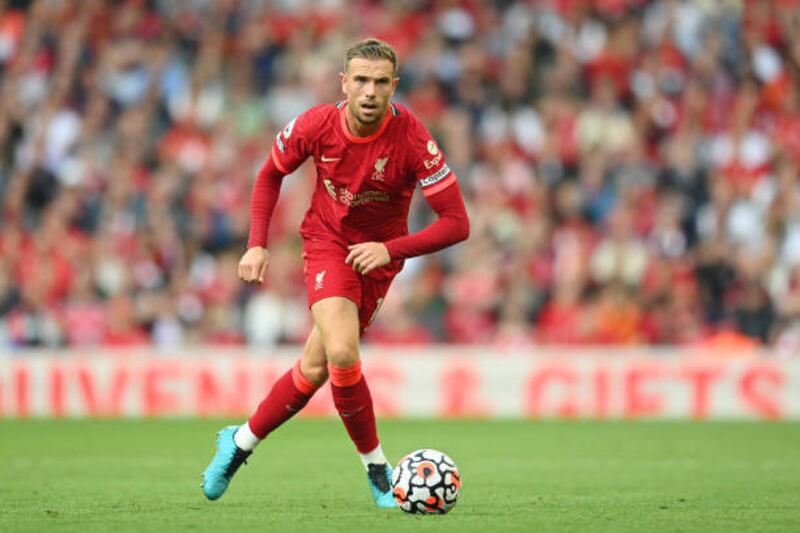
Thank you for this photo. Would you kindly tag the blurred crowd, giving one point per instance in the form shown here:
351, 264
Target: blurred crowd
630, 168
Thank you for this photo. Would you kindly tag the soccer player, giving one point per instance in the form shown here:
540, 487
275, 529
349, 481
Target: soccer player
370, 154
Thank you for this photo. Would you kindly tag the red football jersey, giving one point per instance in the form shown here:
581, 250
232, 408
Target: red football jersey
364, 184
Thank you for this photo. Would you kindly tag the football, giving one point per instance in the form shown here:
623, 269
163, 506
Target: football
426, 482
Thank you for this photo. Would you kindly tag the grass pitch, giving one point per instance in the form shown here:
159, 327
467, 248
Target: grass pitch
518, 476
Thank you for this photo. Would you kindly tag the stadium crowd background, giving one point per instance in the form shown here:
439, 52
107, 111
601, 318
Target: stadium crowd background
630, 168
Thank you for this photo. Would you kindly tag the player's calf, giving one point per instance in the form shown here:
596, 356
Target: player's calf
353, 401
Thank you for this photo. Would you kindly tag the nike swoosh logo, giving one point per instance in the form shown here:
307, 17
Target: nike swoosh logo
346, 414
329, 159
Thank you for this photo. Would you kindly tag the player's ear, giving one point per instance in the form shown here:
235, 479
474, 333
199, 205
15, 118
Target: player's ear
343, 81
395, 82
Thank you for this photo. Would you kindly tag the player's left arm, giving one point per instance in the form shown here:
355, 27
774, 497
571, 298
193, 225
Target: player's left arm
439, 185
451, 227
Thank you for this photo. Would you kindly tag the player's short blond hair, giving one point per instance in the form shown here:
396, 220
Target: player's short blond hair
371, 48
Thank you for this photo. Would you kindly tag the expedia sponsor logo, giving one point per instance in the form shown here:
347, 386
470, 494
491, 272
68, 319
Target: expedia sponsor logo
435, 177
431, 163
432, 148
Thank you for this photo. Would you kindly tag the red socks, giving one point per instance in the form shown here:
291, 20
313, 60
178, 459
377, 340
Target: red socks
288, 396
353, 401
350, 396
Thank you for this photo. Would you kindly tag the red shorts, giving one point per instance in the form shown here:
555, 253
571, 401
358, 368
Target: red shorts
327, 275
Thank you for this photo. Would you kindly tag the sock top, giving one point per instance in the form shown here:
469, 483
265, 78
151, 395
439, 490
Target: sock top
345, 377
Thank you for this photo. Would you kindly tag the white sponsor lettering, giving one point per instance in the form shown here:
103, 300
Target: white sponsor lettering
431, 163
435, 177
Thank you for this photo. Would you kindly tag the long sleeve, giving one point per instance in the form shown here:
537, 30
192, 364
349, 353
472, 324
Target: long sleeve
266, 190
451, 227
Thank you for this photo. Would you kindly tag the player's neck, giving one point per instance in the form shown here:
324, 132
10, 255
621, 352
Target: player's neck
359, 129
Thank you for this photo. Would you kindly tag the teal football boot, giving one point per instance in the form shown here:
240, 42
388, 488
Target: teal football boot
380, 484
224, 465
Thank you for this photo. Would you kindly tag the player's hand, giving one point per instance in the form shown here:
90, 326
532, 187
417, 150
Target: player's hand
367, 256
253, 264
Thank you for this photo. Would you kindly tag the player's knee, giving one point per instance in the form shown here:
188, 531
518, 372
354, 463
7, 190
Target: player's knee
342, 355
316, 374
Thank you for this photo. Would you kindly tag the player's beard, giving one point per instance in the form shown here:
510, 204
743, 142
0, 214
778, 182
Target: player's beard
377, 116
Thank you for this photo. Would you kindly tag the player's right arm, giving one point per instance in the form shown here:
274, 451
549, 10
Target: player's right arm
292, 146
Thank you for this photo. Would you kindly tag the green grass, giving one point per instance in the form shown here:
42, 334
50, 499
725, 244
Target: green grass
518, 476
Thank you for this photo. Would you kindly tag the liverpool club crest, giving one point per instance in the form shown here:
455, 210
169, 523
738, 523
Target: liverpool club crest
380, 165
